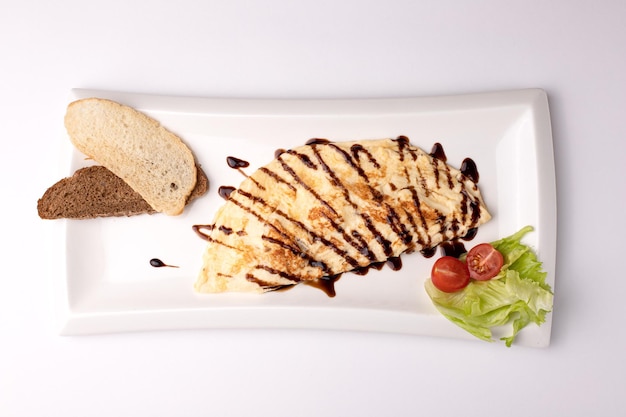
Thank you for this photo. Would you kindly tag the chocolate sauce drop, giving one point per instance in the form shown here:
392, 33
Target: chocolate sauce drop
225, 191
236, 163
281, 288
438, 152
279, 152
225, 230
157, 263
402, 140
468, 168
453, 248
395, 263
361, 270
377, 265
326, 284
471, 234
317, 141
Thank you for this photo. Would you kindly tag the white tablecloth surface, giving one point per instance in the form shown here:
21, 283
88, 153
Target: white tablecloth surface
575, 50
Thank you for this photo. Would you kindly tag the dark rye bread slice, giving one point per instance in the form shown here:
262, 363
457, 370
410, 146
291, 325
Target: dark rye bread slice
97, 192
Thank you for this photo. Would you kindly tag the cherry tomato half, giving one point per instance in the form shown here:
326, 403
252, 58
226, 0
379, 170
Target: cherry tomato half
449, 274
484, 262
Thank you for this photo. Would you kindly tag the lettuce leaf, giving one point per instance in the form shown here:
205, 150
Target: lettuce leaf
517, 296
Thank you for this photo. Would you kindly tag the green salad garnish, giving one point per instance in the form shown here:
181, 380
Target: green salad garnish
517, 296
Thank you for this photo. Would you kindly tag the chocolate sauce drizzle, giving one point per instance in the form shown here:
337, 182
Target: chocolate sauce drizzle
238, 164
406, 224
199, 230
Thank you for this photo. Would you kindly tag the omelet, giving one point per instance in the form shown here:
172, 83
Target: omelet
326, 208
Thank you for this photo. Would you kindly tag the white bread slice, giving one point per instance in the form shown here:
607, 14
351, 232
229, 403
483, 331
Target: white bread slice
150, 159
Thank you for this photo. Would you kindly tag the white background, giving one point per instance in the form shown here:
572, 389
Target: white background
575, 50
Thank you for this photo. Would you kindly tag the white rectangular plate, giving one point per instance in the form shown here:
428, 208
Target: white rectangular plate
109, 285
